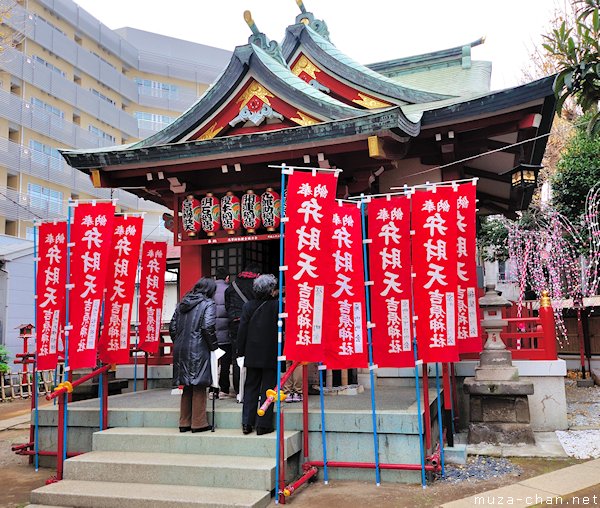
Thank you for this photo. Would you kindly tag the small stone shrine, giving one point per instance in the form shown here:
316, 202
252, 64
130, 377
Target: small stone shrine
499, 408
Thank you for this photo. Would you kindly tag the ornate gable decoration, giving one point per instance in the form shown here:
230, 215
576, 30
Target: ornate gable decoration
306, 70
254, 108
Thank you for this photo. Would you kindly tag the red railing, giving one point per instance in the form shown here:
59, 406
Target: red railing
61, 392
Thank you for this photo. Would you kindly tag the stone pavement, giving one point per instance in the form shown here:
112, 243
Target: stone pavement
552, 488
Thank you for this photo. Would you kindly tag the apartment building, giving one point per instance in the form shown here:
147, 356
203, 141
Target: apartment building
68, 81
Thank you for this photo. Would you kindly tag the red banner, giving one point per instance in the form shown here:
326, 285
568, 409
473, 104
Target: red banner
434, 266
345, 345
50, 287
307, 242
120, 286
152, 289
91, 237
390, 268
468, 331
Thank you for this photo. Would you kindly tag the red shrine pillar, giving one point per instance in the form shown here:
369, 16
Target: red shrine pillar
194, 263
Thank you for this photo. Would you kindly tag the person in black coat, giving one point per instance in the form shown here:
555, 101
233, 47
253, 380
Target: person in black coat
192, 330
222, 328
257, 343
237, 293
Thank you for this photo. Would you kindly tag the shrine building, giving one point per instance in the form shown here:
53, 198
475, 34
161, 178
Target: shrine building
425, 118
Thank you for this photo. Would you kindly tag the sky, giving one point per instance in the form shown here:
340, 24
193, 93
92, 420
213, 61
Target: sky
368, 31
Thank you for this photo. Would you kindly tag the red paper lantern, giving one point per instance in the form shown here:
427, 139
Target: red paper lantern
270, 209
250, 211
230, 213
190, 215
210, 214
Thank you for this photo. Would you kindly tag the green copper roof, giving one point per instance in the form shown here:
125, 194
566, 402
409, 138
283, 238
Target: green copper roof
286, 75
329, 48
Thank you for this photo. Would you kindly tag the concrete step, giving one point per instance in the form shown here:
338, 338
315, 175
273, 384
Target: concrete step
173, 469
169, 440
92, 494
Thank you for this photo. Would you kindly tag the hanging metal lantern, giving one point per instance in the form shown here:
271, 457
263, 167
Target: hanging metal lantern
190, 215
210, 214
270, 209
250, 211
230, 213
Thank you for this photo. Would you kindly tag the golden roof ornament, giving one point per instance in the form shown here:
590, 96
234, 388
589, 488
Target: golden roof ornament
308, 19
545, 300
260, 39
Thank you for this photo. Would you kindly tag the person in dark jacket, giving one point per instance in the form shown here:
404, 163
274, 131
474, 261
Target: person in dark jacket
192, 330
257, 343
222, 327
236, 295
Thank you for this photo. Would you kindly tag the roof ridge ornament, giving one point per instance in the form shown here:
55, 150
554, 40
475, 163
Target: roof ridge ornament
308, 19
260, 39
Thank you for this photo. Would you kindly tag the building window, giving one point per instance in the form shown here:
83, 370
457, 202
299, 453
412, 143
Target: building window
42, 197
47, 107
101, 134
152, 121
54, 27
102, 96
157, 88
45, 154
40, 61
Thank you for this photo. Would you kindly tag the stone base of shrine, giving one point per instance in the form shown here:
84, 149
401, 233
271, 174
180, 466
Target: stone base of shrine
547, 405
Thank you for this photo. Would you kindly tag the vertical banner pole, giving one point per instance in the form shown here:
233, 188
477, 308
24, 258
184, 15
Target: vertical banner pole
101, 398
279, 341
370, 345
419, 419
35, 372
323, 437
448, 412
138, 277
440, 425
68, 327
426, 404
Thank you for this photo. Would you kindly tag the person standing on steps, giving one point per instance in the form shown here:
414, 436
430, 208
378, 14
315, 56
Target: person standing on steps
192, 331
257, 343
222, 328
236, 295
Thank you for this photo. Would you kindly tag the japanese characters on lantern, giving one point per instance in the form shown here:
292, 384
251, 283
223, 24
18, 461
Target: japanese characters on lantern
210, 214
114, 341
468, 327
230, 213
190, 215
152, 287
434, 265
390, 269
270, 209
308, 259
346, 347
250, 211
50, 286
91, 239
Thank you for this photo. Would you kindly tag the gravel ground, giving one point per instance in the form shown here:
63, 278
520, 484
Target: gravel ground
481, 468
582, 440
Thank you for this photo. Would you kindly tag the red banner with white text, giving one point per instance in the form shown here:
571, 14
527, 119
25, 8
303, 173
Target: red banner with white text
91, 239
309, 201
389, 268
468, 328
120, 289
152, 289
435, 278
345, 345
51, 289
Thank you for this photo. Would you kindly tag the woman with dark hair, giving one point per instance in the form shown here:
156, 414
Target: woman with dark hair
192, 330
257, 343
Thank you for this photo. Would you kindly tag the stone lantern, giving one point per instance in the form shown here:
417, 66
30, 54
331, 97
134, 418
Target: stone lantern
499, 408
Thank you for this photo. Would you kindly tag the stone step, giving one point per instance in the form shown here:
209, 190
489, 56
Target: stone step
93, 494
170, 440
173, 469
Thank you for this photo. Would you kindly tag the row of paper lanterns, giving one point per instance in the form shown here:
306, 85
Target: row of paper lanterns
210, 214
